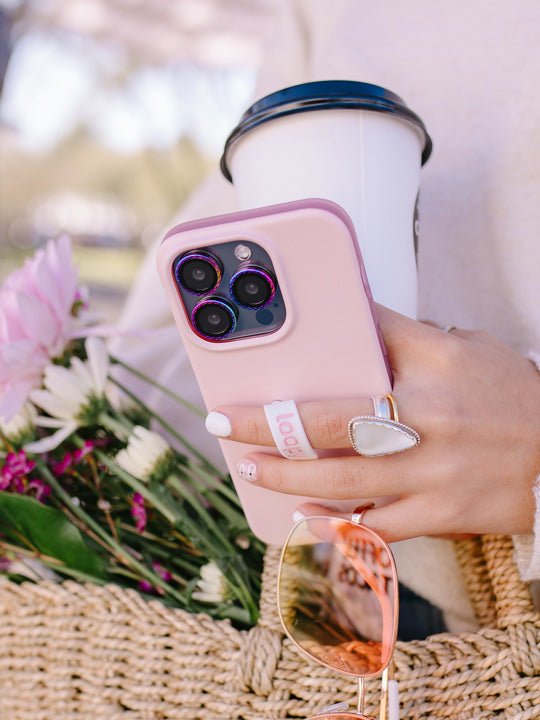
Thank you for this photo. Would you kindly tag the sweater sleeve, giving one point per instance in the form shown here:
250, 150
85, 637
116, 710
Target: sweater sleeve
527, 547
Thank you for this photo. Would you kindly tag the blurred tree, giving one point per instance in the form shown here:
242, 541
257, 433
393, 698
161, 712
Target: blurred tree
153, 183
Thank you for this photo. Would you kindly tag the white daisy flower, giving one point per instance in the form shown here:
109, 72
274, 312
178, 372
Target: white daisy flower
73, 396
147, 454
212, 587
21, 425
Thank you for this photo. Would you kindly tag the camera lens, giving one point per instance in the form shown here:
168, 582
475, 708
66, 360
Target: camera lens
214, 318
252, 287
198, 273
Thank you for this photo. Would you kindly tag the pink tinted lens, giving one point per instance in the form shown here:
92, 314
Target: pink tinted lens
338, 595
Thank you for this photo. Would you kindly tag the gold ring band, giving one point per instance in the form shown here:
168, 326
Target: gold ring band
385, 407
358, 515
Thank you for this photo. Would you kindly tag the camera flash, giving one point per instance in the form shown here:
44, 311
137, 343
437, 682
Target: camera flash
242, 252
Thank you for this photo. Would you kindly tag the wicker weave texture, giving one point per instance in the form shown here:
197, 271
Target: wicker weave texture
84, 652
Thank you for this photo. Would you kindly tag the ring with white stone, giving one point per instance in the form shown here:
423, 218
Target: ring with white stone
381, 433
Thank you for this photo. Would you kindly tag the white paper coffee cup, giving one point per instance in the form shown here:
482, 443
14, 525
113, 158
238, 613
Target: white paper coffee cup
354, 143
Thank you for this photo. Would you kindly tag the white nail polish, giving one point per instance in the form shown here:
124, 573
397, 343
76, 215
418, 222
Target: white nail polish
297, 516
218, 424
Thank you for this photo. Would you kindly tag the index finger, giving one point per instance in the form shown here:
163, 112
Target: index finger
325, 423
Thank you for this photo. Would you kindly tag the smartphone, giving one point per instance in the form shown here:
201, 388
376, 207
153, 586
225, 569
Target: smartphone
274, 304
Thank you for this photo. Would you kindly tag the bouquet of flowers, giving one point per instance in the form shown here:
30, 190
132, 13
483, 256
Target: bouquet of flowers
89, 489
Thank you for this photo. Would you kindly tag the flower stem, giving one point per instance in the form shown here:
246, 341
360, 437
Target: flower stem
190, 498
102, 504
122, 430
239, 589
167, 427
137, 486
217, 483
154, 383
118, 551
219, 500
239, 614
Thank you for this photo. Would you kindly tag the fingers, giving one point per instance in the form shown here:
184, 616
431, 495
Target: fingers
399, 520
325, 423
401, 334
474, 402
342, 477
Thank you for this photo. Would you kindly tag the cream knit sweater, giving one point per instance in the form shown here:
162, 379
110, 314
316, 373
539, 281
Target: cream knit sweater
470, 70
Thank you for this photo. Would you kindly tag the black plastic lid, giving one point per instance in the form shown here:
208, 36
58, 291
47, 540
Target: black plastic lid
322, 95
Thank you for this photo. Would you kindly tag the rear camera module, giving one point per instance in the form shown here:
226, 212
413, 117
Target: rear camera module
213, 318
198, 272
252, 287
228, 290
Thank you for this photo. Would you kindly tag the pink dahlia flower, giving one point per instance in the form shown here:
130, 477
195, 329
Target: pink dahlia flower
36, 321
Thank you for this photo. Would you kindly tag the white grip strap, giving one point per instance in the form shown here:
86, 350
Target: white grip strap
287, 430
393, 700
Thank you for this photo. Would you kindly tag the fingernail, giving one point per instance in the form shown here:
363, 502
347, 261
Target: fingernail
297, 516
218, 424
247, 470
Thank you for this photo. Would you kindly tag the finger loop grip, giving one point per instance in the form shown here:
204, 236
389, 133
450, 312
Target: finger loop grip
287, 430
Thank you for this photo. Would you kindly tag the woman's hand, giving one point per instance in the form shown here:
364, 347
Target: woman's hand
476, 405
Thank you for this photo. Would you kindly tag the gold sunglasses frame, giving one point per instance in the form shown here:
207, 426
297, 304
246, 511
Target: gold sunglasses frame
386, 670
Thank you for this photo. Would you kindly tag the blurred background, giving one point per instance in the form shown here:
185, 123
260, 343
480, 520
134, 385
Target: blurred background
111, 114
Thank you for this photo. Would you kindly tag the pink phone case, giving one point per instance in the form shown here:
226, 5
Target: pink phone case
328, 347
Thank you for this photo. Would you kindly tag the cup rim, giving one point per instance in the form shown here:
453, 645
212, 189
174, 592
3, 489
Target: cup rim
322, 95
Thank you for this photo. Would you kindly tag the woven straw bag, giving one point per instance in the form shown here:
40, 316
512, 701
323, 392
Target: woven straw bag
74, 651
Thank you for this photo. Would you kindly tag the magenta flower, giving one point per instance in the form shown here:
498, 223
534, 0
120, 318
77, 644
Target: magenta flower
80, 453
5, 478
36, 321
42, 490
71, 459
16, 466
160, 570
14, 472
60, 467
138, 512
146, 587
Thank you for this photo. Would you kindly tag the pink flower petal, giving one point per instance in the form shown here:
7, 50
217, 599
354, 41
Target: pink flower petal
13, 397
11, 328
35, 320
38, 321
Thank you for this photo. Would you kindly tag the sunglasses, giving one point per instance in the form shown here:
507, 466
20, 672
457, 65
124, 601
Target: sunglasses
338, 603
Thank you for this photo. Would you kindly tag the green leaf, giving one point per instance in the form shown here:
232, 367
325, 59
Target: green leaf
48, 531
